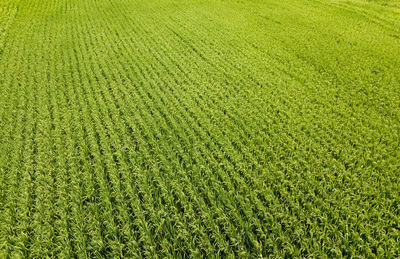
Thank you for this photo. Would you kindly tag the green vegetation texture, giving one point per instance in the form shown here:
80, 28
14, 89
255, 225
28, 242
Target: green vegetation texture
242, 128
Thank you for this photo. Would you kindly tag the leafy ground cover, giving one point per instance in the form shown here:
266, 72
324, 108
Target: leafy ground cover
244, 128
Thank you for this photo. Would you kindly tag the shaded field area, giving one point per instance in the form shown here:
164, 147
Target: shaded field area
243, 128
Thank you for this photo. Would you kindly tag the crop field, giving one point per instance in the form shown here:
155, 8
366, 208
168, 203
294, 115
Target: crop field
199, 128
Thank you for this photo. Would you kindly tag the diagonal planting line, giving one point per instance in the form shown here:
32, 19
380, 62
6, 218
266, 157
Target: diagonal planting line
7, 15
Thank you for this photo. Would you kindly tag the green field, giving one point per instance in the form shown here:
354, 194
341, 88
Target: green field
200, 128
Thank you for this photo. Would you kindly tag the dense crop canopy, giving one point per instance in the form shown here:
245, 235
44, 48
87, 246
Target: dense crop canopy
247, 128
